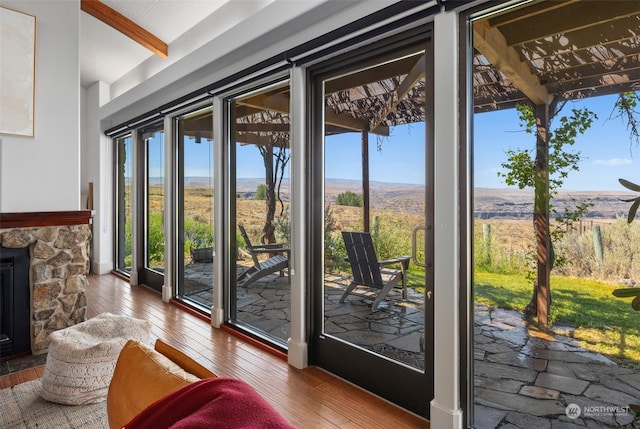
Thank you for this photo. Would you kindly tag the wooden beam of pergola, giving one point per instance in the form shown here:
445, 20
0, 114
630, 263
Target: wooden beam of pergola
348, 122
246, 138
492, 44
274, 102
124, 25
370, 75
416, 73
280, 103
568, 17
263, 128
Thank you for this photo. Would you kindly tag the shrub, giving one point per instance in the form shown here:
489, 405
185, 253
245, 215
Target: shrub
197, 235
283, 227
620, 244
155, 245
505, 250
334, 251
349, 198
261, 192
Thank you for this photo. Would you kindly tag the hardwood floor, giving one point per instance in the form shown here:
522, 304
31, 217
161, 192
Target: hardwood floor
21, 376
308, 398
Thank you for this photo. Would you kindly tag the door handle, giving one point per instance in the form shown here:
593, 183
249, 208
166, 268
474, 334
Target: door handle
414, 247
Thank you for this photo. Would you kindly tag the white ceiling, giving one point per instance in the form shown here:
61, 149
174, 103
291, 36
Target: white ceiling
106, 54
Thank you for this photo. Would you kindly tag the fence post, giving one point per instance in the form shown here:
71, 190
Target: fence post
486, 240
597, 244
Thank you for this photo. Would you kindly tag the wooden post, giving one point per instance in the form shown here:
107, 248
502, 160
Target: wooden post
365, 181
90, 197
597, 244
486, 241
541, 214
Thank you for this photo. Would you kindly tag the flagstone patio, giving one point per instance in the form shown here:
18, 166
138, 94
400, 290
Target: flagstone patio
526, 378
523, 377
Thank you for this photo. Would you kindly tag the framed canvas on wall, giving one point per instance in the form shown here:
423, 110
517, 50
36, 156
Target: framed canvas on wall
17, 72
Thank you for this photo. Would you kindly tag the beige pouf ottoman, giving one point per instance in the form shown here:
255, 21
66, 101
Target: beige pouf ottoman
81, 358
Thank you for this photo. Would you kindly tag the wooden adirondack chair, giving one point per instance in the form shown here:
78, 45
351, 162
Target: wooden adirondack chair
279, 261
368, 271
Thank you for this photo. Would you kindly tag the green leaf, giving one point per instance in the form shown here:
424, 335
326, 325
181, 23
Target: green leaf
632, 211
629, 185
626, 292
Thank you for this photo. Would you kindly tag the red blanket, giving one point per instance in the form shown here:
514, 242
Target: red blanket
222, 403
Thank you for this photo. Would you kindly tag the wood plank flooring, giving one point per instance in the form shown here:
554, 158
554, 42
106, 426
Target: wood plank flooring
308, 398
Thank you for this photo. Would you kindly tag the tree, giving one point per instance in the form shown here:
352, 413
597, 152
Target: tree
261, 192
625, 108
523, 167
349, 198
275, 157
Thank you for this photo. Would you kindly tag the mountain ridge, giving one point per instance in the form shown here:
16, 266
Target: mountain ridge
489, 203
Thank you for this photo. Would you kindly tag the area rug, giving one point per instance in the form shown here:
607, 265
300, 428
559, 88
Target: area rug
22, 407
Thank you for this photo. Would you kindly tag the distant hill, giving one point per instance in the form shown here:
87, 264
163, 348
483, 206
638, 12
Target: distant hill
515, 203
506, 203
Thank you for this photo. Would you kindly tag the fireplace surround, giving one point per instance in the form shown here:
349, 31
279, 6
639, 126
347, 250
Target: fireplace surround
59, 246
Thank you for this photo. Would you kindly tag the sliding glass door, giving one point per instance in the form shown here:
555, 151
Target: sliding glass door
195, 208
124, 203
152, 185
372, 149
259, 290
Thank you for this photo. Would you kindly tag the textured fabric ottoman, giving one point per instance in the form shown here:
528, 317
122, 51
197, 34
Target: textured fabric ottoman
82, 357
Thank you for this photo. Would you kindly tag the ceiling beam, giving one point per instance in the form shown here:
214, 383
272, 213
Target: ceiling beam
492, 44
125, 26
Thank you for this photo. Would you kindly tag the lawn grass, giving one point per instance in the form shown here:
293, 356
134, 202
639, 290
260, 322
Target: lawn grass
600, 321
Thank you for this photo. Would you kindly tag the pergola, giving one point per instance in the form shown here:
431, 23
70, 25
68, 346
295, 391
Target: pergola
544, 53
540, 53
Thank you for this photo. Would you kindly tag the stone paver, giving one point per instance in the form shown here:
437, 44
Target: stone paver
571, 375
524, 378
562, 383
393, 331
539, 392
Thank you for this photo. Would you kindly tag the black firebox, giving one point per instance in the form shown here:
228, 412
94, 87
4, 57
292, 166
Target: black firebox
15, 339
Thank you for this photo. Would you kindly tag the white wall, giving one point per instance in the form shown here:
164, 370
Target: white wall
43, 173
97, 167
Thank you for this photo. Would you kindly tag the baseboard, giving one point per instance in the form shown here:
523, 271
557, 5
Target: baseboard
101, 267
442, 418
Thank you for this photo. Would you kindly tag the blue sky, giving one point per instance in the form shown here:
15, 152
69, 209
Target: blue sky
605, 147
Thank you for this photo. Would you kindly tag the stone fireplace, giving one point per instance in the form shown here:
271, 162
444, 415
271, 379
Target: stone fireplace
59, 245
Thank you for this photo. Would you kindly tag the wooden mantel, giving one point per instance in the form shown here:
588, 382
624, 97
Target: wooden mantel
39, 219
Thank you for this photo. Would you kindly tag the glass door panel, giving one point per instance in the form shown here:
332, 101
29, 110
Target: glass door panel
195, 208
377, 190
124, 203
260, 290
152, 274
